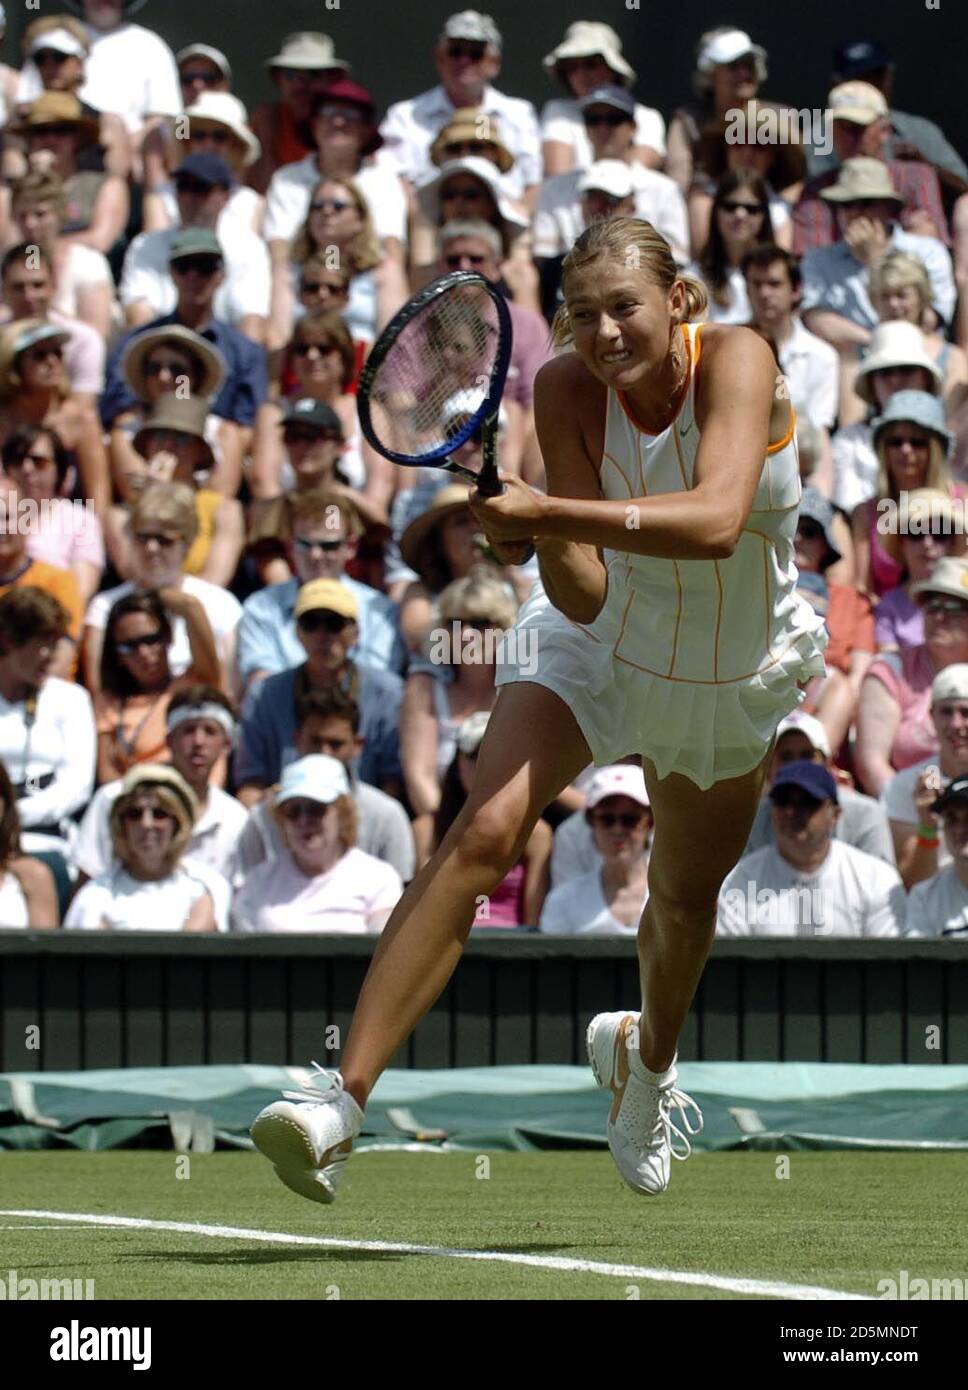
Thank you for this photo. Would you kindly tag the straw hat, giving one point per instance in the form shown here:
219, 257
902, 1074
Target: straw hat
862, 178
58, 108
451, 498
468, 123
790, 162
949, 576
222, 108
895, 343
917, 510
160, 775
586, 39
309, 51
138, 350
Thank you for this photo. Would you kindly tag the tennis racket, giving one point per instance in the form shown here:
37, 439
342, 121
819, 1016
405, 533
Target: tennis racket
435, 375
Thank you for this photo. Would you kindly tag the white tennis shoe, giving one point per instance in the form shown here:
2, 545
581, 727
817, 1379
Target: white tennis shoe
308, 1135
641, 1134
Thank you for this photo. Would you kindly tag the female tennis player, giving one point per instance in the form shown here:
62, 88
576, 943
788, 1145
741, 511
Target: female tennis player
668, 624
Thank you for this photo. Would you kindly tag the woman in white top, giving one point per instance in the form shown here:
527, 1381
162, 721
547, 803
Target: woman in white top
28, 896
740, 219
320, 882
781, 165
670, 625
147, 888
609, 900
84, 285
590, 56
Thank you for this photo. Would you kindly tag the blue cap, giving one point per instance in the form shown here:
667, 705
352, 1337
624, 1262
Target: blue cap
207, 168
813, 778
916, 408
863, 55
610, 95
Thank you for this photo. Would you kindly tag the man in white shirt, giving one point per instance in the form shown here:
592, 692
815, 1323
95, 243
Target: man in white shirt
909, 796
808, 883
811, 366
467, 57
343, 127
201, 726
939, 906
564, 207
203, 184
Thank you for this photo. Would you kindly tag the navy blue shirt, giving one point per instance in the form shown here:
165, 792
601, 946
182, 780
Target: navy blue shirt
244, 389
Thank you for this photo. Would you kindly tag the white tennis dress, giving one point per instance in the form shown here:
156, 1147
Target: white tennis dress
692, 663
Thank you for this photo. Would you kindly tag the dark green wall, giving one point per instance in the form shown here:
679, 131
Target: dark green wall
389, 41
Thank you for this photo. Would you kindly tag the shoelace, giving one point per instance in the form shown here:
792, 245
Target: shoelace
312, 1093
674, 1099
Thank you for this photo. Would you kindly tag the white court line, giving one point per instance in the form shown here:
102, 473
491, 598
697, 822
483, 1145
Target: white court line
756, 1287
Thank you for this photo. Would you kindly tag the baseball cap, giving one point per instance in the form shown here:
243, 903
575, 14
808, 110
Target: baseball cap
809, 726
474, 27
329, 594
812, 778
206, 168
954, 791
61, 41
316, 414
624, 779
951, 683
856, 101
38, 332
610, 95
611, 176
863, 55
195, 241
726, 48
315, 778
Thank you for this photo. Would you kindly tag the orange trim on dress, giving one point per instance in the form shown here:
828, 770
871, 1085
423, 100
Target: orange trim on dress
782, 443
683, 392
675, 635
691, 680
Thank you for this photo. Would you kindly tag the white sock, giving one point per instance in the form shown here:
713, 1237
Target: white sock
641, 1071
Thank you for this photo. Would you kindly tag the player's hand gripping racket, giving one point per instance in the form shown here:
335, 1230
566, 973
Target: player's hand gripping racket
434, 379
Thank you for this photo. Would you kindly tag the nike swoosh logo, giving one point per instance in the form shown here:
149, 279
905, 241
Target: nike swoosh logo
683, 433
620, 1077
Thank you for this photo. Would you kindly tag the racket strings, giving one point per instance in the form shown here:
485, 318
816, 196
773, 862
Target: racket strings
437, 373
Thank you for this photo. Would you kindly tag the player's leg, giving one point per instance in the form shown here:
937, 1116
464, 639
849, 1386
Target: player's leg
532, 749
698, 837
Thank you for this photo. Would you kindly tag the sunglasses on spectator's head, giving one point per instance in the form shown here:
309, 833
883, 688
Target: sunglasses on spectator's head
307, 546
150, 639
205, 266
323, 620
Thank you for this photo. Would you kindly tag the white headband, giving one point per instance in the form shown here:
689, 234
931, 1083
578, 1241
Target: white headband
211, 710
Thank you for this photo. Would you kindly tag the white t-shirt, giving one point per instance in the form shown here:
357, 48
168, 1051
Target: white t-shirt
578, 908
737, 309
851, 894
244, 290
83, 268
573, 850
897, 798
812, 370
558, 218
58, 747
287, 199
13, 903
938, 906
212, 842
355, 897
855, 465
128, 904
239, 213
130, 71
561, 120
222, 609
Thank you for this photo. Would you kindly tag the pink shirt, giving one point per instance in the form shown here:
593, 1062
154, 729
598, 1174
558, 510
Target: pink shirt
908, 675
69, 532
505, 906
356, 896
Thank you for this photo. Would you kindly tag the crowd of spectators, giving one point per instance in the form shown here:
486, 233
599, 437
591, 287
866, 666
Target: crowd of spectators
246, 664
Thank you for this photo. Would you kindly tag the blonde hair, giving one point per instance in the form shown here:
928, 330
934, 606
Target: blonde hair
347, 820
40, 186
636, 245
938, 474
477, 595
896, 271
928, 507
166, 504
170, 801
363, 251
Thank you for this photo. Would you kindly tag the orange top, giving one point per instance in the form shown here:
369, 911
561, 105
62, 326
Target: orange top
60, 584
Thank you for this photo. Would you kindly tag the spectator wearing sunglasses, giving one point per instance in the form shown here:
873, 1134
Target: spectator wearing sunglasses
328, 722
471, 189
197, 265
136, 682
201, 69
157, 261
930, 525
84, 286
56, 49
740, 220
34, 390
321, 880
326, 614
610, 899
47, 735
938, 907
894, 725
301, 71
172, 445
467, 57
149, 886
65, 537
26, 292
200, 727
338, 226
808, 882
163, 525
